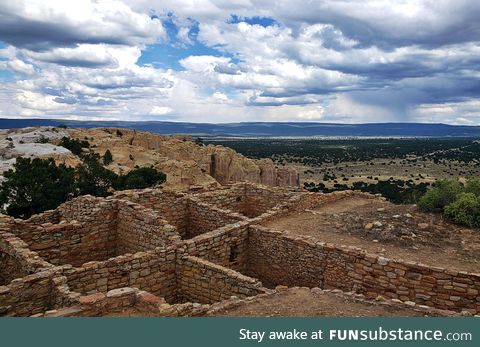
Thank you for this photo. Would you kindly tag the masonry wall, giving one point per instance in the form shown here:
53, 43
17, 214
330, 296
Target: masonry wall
127, 302
51, 216
93, 229
227, 199
247, 199
152, 271
17, 260
280, 259
26, 286
10, 268
260, 199
28, 295
141, 229
225, 246
12, 263
170, 206
71, 243
87, 208
203, 218
202, 281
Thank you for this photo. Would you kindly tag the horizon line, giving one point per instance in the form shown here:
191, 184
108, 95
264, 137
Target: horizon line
223, 123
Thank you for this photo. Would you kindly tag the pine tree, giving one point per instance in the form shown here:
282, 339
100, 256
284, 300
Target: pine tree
35, 185
107, 157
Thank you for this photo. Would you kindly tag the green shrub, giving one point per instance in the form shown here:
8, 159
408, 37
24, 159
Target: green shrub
107, 157
93, 178
42, 139
464, 210
75, 146
140, 178
35, 185
473, 186
442, 194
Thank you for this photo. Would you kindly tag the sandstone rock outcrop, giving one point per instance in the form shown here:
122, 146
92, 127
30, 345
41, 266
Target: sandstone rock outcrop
184, 162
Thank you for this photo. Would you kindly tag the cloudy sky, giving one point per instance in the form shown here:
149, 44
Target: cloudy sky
340, 61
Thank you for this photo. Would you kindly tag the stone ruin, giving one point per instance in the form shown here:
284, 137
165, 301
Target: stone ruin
154, 252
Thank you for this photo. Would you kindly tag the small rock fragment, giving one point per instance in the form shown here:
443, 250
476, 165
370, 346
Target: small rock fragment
423, 226
368, 226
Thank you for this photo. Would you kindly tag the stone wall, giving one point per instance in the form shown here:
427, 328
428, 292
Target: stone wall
224, 246
231, 198
141, 229
277, 258
171, 206
71, 243
29, 284
202, 281
51, 216
11, 264
16, 259
152, 271
116, 243
203, 218
132, 302
190, 216
260, 199
247, 199
92, 229
87, 208
126, 302
79, 231
27, 295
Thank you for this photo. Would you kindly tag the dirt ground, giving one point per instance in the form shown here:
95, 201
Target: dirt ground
427, 171
301, 302
394, 231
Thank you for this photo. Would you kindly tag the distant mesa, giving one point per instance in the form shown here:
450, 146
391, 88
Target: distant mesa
266, 129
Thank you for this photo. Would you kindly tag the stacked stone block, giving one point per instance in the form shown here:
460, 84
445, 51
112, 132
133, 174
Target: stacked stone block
72, 242
203, 218
205, 282
250, 200
152, 271
140, 229
171, 206
278, 258
26, 285
226, 246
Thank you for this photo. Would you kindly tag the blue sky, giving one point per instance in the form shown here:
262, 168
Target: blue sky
242, 60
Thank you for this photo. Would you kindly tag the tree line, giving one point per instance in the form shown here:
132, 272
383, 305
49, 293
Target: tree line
36, 185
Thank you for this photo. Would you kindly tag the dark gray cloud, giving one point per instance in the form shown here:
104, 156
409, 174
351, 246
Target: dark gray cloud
389, 24
39, 27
